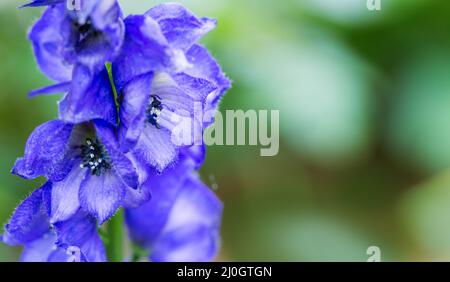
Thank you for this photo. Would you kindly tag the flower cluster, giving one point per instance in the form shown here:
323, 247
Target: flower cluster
127, 83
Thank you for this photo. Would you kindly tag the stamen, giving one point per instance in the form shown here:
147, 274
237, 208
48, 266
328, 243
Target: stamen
154, 110
94, 157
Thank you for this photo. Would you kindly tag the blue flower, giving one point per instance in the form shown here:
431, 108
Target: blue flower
139, 150
93, 97
72, 47
73, 240
159, 39
62, 38
85, 166
166, 82
181, 222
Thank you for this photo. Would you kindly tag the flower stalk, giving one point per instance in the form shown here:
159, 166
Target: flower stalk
114, 246
110, 159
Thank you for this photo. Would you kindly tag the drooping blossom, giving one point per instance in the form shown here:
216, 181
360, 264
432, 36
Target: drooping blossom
73, 240
167, 82
85, 166
181, 222
72, 48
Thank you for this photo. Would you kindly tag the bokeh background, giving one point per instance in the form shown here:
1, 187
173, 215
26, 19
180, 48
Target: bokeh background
364, 101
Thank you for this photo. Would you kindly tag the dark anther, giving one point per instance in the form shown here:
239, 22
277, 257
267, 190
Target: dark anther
153, 111
85, 28
94, 157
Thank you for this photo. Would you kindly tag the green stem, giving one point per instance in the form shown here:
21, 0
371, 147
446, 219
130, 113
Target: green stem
138, 253
115, 233
114, 247
108, 66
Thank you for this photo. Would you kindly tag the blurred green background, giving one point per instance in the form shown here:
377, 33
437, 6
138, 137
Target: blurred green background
364, 101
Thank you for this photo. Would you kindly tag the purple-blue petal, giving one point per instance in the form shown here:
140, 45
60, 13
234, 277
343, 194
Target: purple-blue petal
180, 97
135, 100
64, 195
38, 3
74, 240
181, 28
47, 152
120, 162
155, 148
62, 87
189, 243
195, 154
206, 67
39, 250
48, 43
101, 195
145, 49
80, 231
192, 230
29, 221
185, 221
106, 15
135, 198
90, 97
198, 88
166, 185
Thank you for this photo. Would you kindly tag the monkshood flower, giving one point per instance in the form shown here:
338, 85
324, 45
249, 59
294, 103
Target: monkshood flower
181, 222
64, 38
86, 168
138, 150
91, 99
73, 240
166, 82
72, 47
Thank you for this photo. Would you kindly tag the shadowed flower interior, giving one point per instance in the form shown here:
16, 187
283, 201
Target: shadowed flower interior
86, 33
